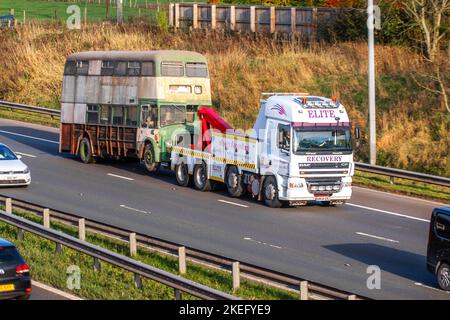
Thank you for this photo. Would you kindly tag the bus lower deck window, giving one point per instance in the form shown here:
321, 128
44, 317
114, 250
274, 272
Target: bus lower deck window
131, 116
92, 114
105, 115
117, 115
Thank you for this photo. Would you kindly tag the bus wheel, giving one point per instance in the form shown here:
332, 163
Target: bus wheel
233, 182
201, 181
271, 193
149, 159
85, 151
443, 277
182, 174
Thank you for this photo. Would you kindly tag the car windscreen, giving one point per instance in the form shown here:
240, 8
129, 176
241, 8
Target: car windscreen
6, 154
9, 255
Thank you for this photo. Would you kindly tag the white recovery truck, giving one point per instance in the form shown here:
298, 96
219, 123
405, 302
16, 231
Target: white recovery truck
299, 150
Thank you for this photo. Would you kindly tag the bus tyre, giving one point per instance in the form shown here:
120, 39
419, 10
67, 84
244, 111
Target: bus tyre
233, 182
201, 181
270, 192
149, 159
85, 151
182, 174
443, 277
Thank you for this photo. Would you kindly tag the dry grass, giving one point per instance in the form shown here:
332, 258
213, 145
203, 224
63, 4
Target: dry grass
413, 126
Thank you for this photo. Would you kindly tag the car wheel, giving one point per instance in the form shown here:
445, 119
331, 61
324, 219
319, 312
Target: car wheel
85, 151
201, 181
182, 174
271, 193
149, 159
233, 181
443, 277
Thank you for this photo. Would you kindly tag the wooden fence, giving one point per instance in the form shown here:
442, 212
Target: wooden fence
300, 21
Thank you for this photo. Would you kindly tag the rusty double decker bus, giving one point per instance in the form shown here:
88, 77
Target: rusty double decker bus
123, 104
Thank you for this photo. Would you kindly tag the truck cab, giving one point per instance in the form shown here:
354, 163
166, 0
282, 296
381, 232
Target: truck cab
305, 143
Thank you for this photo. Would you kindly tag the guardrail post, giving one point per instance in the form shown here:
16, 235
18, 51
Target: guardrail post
176, 294
133, 248
46, 217
236, 275
182, 260
20, 234
58, 249
97, 265
351, 297
293, 20
391, 180
138, 281
82, 229
171, 14
304, 290
8, 205
177, 15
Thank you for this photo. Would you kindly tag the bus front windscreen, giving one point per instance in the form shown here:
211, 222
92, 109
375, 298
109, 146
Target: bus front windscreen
172, 115
329, 139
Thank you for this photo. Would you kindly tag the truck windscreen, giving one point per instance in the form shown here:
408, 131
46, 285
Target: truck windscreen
332, 139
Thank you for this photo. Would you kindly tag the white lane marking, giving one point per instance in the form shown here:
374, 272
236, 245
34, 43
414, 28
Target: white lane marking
133, 209
24, 154
263, 243
376, 237
388, 212
428, 287
120, 177
53, 290
30, 137
395, 195
233, 203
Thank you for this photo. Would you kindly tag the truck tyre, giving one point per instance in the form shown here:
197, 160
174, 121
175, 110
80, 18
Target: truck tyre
233, 181
182, 174
200, 176
270, 193
443, 277
149, 159
85, 151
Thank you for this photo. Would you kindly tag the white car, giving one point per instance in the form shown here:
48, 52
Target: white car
13, 172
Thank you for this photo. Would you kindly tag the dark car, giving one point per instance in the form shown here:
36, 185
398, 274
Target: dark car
15, 279
438, 253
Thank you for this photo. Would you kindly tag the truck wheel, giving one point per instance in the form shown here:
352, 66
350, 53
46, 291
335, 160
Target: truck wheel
182, 174
85, 151
443, 277
271, 193
233, 182
201, 181
149, 159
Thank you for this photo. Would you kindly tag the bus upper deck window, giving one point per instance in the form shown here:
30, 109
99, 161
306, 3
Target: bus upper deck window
70, 68
134, 68
82, 68
148, 68
107, 68
120, 69
172, 69
194, 69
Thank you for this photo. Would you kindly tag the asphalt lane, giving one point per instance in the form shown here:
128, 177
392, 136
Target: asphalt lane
332, 245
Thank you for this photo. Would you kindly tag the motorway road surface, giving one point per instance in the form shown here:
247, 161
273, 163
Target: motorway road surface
44, 292
330, 245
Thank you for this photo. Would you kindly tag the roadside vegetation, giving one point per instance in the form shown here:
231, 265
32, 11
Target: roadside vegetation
413, 125
115, 283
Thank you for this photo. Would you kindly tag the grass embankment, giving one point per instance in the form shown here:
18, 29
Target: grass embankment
413, 127
402, 186
115, 283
